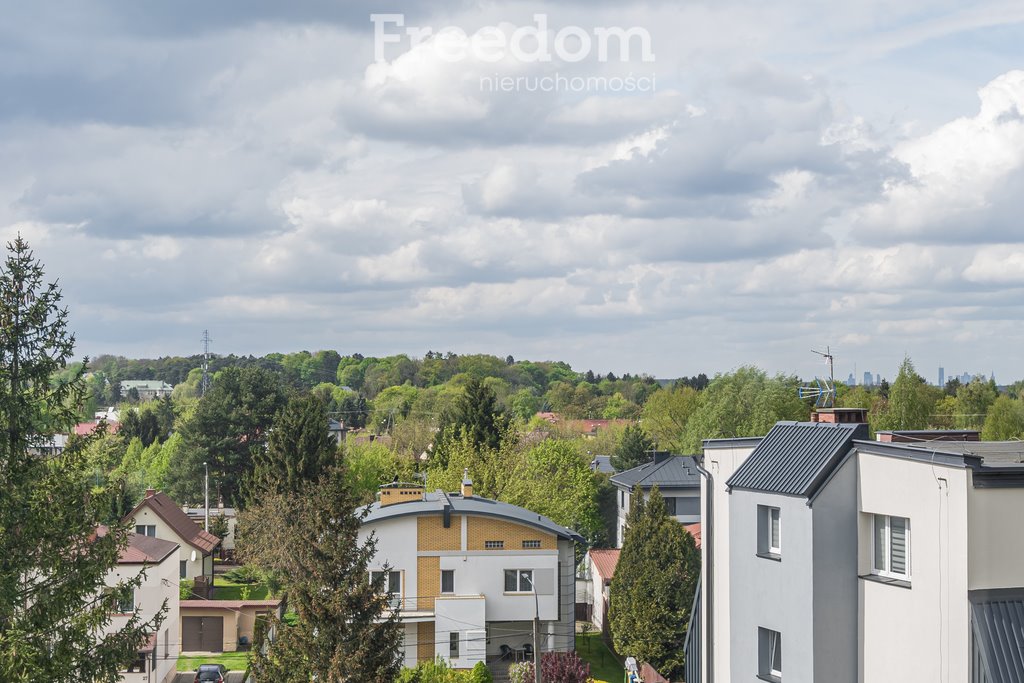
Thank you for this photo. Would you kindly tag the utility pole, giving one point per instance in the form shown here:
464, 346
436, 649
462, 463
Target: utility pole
536, 637
206, 495
204, 385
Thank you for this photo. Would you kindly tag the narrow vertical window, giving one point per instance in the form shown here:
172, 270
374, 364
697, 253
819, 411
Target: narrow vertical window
453, 645
447, 580
775, 531
890, 540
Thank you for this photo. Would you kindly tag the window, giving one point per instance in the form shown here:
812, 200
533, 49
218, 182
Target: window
125, 599
494, 545
447, 580
453, 645
146, 529
394, 581
183, 568
769, 654
891, 546
670, 506
531, 544
769, 531
518, 580
622, 499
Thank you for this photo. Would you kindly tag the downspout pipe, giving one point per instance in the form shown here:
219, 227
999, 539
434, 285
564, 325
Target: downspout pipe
708, 541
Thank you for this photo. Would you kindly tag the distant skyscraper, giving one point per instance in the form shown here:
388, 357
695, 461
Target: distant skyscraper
851, 380
965, 378
868, 380
992, 377
942, 376
878, 379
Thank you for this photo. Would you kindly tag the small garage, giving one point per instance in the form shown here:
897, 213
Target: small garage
221, 625
202, 634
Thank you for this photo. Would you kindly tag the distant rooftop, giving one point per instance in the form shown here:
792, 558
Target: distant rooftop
993, 453
602, 463
665, 471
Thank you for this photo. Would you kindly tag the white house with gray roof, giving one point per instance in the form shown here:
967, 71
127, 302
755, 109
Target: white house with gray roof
829, 557
677, 480
469, 574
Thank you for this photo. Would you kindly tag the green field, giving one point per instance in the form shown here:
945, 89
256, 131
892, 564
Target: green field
604, 667
234, 661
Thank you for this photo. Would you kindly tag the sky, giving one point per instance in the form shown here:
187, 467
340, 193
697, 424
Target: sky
741, 183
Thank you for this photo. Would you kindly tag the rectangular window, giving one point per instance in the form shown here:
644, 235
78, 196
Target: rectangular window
769, 531
891, 546
769, 654
146, 529
518, 580
774, 531
453, 645
393, 583
494, 545
670, 506
622, 499
125, 599
183, 568
531, 544
447, 580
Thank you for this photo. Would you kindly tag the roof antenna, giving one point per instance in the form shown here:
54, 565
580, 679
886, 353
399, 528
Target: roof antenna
822, 391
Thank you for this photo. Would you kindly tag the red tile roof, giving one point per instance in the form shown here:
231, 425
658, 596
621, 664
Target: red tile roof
167, 510
694, 530
146, 550
87, 428
226, 604
605, 560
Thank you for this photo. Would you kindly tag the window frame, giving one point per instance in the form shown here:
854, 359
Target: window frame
886, 571
454, 640
450, 573
494, 545
531, 544
145, 530
769, 654
774, 523
520, 574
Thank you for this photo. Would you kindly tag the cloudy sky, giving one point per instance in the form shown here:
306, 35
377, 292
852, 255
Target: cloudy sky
790, 175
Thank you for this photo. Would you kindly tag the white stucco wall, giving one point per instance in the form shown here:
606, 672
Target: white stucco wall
160, 584
721, 463
193, 568
994, 537
921, 633
464, 615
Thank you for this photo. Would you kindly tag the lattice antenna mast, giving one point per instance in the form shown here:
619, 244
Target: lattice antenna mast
204, 385
822, 391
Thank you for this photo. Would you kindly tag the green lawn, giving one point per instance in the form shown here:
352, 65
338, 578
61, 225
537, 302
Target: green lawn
228, 590
604, 667
234, 661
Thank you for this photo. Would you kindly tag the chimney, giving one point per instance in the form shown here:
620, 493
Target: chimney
467, 484
840, 415
150, 493
661, 456
398, 492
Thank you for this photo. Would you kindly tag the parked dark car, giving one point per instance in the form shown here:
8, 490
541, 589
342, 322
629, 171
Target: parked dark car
210, 673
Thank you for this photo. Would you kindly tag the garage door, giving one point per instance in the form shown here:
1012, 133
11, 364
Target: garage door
202, 634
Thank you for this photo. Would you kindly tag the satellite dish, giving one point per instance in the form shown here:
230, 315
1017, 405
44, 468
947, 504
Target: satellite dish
193, 555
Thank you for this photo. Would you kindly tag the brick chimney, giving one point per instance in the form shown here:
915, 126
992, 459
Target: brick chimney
840, 415
467, 484
150, 493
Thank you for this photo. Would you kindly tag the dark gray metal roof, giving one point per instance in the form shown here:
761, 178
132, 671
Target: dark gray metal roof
675, 472
732, 442
795, 457
437, 501
991, 452
602, 463
997, 625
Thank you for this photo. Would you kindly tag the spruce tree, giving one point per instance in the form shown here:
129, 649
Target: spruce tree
633, 449
653, 588
300, 448
345, 630
54, 564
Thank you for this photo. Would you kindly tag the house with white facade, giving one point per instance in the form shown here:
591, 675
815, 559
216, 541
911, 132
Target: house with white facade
156, 560
829, 557
469, 574
677, 479
160, 517
147, 389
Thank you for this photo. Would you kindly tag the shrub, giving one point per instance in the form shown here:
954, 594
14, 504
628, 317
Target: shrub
480, 674
185, 589
564, 667
244, 574
521, 672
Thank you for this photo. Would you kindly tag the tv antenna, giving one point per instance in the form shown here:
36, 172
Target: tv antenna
204, 385
823, 391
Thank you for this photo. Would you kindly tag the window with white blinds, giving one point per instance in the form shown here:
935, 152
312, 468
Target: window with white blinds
775, 531
891, 545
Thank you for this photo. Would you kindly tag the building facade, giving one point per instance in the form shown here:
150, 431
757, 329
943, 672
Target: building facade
469, 574
160, 517
677, 479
